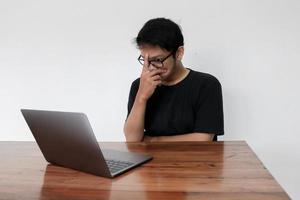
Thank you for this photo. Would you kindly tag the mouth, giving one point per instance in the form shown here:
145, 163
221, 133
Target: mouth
164, 71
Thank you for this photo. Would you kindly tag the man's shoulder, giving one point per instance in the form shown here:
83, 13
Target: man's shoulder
203, 78
135, 84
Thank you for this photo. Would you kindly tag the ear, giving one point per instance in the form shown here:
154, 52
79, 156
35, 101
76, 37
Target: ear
179, 53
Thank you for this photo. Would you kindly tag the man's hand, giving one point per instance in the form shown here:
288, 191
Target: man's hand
150, 139
180, 138
149, 80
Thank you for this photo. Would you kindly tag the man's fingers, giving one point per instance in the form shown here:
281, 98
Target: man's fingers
146, 61
156, 77
158, 82
155, 72
145, 69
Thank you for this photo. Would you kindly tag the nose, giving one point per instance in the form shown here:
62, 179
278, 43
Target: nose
152, 67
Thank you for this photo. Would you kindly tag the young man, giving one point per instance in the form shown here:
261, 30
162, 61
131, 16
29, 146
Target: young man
170, 102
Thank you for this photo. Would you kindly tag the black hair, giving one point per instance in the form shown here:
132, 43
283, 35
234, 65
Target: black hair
161, 32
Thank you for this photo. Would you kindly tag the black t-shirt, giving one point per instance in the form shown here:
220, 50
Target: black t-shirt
192, 105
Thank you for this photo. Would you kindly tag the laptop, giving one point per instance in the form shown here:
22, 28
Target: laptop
67, 139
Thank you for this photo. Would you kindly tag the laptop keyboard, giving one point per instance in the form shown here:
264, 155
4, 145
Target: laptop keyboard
117, 165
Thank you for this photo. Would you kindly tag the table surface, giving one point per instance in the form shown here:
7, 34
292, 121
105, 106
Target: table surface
179, 170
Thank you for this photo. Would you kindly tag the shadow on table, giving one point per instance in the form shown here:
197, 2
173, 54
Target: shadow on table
64, 183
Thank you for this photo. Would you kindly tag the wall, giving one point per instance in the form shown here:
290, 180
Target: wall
79, 56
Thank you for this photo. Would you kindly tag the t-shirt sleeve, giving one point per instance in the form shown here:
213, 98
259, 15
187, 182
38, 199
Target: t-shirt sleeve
133, 90
209, 109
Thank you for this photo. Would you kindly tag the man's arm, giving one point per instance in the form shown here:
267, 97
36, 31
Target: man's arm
134, 125
183, 137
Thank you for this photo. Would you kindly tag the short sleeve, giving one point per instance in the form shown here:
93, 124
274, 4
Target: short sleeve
133, 91
209, 109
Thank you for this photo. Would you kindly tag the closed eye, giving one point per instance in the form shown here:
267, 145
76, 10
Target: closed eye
156, 60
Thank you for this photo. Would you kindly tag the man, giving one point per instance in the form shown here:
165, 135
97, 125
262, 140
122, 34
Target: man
170, 102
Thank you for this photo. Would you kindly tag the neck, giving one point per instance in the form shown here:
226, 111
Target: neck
180, 72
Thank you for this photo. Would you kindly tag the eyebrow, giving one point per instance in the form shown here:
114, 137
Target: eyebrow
154, 57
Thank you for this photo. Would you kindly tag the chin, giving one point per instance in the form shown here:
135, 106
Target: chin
165, 74
164, 77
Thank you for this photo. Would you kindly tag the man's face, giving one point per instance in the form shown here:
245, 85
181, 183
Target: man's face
156, 53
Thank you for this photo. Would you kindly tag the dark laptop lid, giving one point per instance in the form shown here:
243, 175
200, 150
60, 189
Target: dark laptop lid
67, 139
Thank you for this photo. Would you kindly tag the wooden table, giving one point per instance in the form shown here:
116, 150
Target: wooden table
187, 170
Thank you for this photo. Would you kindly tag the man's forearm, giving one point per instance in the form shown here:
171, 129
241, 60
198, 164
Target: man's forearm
183, 137
134, 125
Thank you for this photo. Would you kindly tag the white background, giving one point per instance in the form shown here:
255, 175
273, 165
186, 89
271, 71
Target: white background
79, 56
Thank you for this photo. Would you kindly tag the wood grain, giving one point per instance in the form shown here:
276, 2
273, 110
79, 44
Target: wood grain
181, 170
